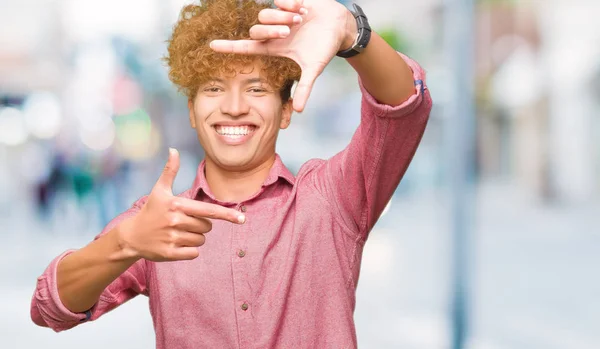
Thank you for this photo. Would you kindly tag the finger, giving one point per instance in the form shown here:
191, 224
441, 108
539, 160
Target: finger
273, 16
304, 87
266, 32
193, 224
243, 47
170, 171
186, 239
212, 211
183, 253
291, 6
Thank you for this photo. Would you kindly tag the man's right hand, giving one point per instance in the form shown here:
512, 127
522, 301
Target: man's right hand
170, 228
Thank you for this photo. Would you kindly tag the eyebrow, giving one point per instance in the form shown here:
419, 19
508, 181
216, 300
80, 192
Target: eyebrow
247, 81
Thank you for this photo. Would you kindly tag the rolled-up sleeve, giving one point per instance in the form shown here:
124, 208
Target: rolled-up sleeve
420, 102
48, 310
359, 181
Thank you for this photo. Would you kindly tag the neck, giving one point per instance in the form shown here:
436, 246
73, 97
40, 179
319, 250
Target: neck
236, 186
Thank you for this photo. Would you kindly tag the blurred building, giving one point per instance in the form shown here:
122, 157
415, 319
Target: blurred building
537, 102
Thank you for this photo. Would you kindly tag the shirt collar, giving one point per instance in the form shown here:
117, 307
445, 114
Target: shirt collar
278, 170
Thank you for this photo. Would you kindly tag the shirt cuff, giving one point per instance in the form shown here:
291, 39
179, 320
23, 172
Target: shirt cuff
51, 308
384, 110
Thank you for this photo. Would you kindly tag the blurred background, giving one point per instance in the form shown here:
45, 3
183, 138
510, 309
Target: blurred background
503, 253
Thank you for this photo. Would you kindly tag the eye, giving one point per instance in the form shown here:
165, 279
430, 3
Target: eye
212, 89
257, 90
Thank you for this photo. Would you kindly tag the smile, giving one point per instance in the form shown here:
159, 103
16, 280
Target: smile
235, 134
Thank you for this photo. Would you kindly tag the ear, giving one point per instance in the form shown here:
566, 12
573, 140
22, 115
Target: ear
192, 115
286, 114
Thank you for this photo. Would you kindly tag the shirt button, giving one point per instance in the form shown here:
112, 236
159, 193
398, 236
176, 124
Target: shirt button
243, 208
245, 306
241, 254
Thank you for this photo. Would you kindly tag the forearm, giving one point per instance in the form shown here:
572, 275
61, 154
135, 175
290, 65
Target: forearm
382, 71
83, 275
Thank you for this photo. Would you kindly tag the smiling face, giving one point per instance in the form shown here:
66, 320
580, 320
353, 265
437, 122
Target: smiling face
237, 119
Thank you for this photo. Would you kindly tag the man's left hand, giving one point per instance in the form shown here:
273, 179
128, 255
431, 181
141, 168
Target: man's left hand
310, 32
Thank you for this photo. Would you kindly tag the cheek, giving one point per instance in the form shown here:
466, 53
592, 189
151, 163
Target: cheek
202, 129
202, 112
270, 111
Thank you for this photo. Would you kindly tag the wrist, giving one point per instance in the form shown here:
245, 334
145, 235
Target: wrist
123, 250
350, 31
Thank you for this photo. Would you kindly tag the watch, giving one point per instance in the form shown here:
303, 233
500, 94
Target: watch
362, 38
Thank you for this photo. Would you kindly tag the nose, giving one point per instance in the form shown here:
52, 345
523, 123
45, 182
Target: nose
235, 104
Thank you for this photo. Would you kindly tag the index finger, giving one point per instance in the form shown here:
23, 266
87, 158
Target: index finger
206, 210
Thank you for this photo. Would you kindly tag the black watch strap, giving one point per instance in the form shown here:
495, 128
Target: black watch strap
363, 37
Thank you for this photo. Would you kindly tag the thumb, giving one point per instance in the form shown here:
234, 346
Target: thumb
305, 85
170, 171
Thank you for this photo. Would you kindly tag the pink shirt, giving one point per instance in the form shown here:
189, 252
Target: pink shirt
287, 277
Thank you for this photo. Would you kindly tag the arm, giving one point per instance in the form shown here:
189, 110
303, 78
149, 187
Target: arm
83, 275
359, 181
112, 269
382, 71
83, 285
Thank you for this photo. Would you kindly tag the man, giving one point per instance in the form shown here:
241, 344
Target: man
280, 266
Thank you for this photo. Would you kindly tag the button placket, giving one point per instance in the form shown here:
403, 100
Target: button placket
240, 266
241, 253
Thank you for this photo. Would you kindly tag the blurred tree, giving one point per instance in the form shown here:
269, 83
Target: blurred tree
394, 39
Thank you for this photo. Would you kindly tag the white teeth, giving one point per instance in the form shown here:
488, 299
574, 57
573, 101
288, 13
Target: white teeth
234, 130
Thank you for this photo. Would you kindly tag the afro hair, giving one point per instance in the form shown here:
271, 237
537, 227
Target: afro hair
192, 62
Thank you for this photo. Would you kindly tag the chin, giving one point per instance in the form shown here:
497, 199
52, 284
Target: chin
234, 160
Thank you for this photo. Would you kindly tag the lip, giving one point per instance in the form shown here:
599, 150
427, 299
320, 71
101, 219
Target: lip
239, 139
233, 123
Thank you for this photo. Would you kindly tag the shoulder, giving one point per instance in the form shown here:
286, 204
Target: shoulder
310, 175
309, 167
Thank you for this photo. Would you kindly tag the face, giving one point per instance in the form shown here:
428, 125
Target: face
237, 119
